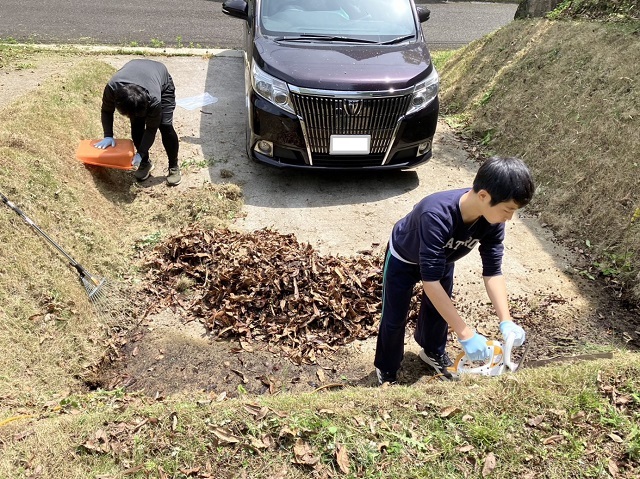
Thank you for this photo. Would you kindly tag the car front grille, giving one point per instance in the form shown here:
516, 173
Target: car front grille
326, 116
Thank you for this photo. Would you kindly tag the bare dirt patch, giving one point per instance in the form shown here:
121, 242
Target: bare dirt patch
338, 215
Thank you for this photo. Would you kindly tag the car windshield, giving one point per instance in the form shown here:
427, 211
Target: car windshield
338, 20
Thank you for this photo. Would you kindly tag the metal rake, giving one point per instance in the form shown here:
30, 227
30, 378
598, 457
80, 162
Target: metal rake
94, 285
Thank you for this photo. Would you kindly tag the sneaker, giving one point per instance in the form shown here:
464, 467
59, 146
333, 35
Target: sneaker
174, 177
144, 171
441, 364
386, 377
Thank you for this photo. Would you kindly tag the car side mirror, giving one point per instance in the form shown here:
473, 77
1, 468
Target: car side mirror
236, 8
423, 13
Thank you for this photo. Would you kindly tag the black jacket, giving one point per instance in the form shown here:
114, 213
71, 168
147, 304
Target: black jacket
155, 79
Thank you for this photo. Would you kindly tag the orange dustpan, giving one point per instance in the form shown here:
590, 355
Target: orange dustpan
118, 156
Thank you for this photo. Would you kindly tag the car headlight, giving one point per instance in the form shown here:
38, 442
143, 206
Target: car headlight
271, 89
424, 93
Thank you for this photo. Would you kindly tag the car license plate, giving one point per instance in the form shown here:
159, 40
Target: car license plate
350, 145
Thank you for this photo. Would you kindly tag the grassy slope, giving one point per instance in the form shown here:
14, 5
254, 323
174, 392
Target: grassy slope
50, 333
564, 96
38, 172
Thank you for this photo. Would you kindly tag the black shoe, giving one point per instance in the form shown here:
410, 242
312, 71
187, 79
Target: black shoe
174, 177
386, 377
441, 364
144, 171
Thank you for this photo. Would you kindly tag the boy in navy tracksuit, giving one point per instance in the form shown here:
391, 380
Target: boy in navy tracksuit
143, 91
442, 228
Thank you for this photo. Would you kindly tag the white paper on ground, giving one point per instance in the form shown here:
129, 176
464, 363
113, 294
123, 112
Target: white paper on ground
193, 102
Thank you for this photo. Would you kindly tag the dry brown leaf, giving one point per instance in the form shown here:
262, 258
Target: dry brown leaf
222, 396
615, 438
578, 416
174, 421
342, 458
613, 468
299, 294
303, 453
489, 464
191, 471
555, 439
225, 435
133, 470
625, 399
536, 421
450, 411
257, 411
258, 443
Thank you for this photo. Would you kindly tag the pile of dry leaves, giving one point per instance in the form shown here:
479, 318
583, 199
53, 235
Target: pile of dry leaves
265, 286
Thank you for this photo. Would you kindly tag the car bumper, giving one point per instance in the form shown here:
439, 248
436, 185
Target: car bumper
285, 133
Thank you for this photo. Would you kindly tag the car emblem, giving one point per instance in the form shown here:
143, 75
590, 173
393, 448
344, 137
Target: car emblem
352, 107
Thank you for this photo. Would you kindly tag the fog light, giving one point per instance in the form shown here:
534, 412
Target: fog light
423, 148
265, 147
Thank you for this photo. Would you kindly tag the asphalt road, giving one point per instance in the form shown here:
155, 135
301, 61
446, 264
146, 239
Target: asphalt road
200, 23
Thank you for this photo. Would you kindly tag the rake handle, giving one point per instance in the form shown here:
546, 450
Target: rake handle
30, 222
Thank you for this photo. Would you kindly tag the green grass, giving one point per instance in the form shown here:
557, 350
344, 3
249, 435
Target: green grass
393, 432
440, 57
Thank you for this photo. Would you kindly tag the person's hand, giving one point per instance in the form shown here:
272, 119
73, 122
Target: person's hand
509, 327
137, 159
476, 347
107, 142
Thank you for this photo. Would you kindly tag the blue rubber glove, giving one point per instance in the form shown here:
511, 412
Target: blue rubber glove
476, 347
135, 162
107, 142
509, 327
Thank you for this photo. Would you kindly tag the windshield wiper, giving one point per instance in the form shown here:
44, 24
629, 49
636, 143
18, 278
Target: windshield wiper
398, 40
322, 38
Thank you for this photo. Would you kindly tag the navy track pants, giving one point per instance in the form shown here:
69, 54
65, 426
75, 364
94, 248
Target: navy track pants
398, 281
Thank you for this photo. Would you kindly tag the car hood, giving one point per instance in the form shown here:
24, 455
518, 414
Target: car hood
344, 67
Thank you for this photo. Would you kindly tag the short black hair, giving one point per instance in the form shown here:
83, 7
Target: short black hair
131, 100
505, 179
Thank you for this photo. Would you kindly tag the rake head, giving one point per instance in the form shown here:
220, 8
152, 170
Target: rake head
95, 287
110, 302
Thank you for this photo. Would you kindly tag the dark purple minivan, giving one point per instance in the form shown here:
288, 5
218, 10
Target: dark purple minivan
337, 84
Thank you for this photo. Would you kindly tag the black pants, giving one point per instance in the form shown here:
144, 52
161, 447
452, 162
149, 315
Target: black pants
398, 280
169, 140
167, 132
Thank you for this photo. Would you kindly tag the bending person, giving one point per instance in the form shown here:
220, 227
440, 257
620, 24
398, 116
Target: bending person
143, 91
